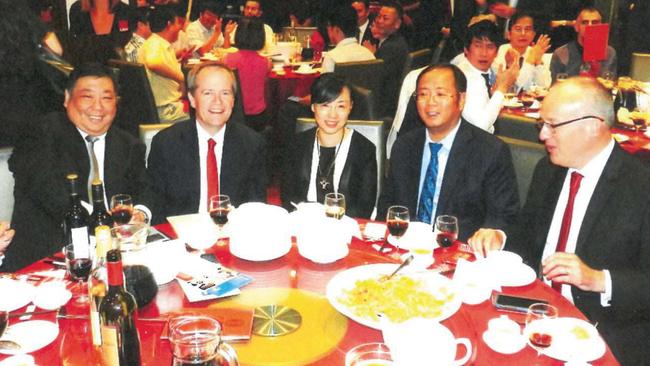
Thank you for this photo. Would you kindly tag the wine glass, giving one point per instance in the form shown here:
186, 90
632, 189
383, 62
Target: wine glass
527, 99
78, 263
446, 229
121, 208
219, 209
638, 119
335, 205
537, 327
397, 220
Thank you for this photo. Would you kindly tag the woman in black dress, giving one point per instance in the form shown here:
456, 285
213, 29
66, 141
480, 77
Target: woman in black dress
331, 157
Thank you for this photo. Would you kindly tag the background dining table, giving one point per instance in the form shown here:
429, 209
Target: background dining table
324, 336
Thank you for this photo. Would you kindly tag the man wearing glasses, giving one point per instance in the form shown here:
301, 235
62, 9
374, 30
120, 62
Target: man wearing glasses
533, 61
449, 166
586, 221
568, 58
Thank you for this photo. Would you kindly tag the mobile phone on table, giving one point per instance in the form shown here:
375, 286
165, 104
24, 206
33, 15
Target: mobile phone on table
517, 304
155, 235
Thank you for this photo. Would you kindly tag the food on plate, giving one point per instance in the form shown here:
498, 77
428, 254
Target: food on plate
580, 333
398, 298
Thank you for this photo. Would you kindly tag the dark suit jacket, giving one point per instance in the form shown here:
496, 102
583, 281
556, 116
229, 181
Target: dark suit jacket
175, 173
479, 185
367, 35
614, 235
41, 194
358, 179
393, 51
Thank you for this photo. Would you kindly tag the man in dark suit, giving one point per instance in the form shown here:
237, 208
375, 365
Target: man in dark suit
59, 147
364, 20
211, 154
393, 49
586, 221
474, 178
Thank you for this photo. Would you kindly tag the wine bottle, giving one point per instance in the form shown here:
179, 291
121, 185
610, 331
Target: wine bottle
99, 216
75, 222
120, 340
98, 281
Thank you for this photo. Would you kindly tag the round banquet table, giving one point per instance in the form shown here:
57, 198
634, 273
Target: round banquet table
324, 336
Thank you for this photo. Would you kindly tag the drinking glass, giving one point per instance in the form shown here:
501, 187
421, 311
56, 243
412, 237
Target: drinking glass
335, 205
78, 264
121, 208
4, 321
446, 229
638, 119
397, 220
537, 318
196, 340
527, 99
561, 77
219, 209
369, 354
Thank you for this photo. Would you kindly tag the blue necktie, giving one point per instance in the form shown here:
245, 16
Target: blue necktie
425, 207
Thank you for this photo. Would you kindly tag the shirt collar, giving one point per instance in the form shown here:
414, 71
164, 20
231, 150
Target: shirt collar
477, 71
347, 41
84, 134
595, 166
204, 135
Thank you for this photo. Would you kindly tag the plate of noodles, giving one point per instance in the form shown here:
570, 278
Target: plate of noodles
362, 293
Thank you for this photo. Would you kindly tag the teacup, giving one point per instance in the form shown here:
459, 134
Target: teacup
420, 342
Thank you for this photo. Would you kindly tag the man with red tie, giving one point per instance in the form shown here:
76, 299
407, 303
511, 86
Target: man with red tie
586, 220
211, 154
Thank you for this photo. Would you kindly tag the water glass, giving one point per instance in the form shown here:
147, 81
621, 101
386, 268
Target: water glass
335, 205
369, 354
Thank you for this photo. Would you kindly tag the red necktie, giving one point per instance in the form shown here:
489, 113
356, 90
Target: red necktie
213, 172
566, 219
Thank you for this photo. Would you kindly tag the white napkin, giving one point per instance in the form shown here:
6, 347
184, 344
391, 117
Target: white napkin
323, 240
474, 281
197, 230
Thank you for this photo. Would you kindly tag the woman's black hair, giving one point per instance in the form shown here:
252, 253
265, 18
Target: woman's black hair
327, 88
250, 34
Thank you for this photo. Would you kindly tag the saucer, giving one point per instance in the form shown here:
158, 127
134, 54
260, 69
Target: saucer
30, 335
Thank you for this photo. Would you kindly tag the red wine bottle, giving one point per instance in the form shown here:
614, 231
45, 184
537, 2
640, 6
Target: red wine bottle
98, 281
75, 222
120, 340
99, 216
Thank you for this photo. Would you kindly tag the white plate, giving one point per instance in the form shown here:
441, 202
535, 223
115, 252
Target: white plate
51, 295
31, 336
512, 104
347, 279
565, 344
308, 72
21, 294
519, 275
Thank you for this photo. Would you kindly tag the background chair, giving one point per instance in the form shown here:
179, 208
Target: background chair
640, 66
137, 104
515, 126
147, 132
416, 60
6, 185
364, 104
372, 130
366, 74
525, 155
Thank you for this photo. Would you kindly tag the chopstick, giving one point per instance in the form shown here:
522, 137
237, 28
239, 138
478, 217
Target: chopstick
30, 313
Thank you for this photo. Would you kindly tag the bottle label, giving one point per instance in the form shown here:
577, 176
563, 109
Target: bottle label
80, 242
110, 352
95, 327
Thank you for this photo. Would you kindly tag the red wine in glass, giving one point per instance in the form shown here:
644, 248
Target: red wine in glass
80, 268
446, 239
527, 102
220, 216
397, 228
540, 340
122, 215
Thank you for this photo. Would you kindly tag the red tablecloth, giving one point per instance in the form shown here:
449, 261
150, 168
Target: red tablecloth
72, 347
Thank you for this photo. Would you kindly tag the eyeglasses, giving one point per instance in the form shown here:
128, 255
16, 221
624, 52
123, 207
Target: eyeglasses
425, 96
540, 124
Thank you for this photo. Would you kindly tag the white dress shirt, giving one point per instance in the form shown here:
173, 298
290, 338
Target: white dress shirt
203, 137
591, 174
362, 30
529, 74
347, 50
480, 109
443, 156
198, 35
